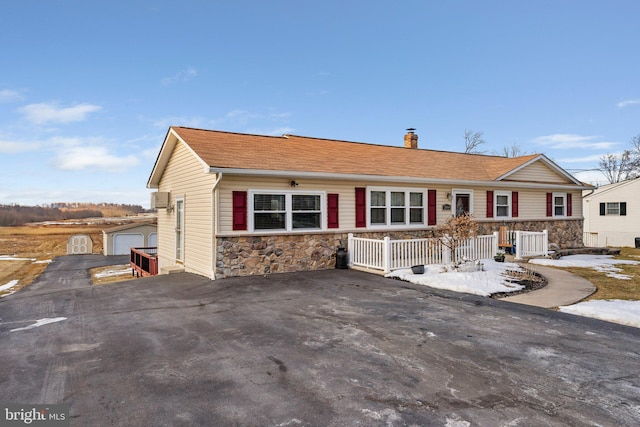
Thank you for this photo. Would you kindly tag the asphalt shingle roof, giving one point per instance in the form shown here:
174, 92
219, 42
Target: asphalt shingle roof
305, 154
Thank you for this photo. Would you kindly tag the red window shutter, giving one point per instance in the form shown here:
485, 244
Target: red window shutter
549, 204
361, 207
332, 210
514, 204
431, 207
569, 209
489, 204
239, 210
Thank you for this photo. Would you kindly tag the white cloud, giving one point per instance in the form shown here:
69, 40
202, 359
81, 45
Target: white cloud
8, 95
94, 157
151, 153
165, 122
237, 120
584, 159
564, 141
273, 132
12, 147
181, 76
242, 117
51, 112
627, 102
593, 177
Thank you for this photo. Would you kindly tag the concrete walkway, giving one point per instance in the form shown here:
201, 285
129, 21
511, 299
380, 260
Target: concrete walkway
563, 288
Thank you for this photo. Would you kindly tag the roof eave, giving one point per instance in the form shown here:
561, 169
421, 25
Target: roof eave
168, 145
163, 158
394, 179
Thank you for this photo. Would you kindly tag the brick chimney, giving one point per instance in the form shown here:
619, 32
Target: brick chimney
410, 139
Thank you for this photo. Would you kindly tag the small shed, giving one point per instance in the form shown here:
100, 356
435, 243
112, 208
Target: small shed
119, 240
79, 244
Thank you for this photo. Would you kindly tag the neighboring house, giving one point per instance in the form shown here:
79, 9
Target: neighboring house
233, 204
119, 240
612, 214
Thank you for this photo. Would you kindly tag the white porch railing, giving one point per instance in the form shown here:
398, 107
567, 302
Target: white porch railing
388, 255
532, 243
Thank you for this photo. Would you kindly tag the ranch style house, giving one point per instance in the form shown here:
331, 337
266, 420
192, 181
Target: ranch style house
232, 204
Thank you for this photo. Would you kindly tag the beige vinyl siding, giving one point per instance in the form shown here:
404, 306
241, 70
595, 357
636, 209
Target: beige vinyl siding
531, 203
538, 172
345, 190
185, 177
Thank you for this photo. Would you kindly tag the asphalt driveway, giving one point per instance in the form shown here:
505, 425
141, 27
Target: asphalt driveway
327, 348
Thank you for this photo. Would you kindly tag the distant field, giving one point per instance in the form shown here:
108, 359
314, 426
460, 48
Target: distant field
41, 242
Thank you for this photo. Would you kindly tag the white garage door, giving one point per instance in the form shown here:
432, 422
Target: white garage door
123, 242
153, 240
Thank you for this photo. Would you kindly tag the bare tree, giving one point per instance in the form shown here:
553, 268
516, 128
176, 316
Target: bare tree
472, 140
514, 150
455, 231
622, 166
615, 167
635, 161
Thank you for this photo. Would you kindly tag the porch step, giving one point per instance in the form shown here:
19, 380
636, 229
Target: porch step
172, 269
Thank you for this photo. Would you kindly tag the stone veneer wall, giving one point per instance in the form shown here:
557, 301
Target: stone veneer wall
249, 255
564, 233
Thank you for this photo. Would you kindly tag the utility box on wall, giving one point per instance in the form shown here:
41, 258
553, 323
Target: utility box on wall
159, 200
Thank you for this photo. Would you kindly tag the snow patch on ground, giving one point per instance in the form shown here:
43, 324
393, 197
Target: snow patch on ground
491, 280
494, 279
39, 323
9, 285
14, 258
618, 311
116, 270
603, 263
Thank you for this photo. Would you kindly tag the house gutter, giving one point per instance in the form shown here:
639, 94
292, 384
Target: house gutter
214, 201
403, 179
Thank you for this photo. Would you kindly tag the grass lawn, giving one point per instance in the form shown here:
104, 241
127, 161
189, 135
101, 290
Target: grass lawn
610, 288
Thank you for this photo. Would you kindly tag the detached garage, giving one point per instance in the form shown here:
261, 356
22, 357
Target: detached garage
119, 240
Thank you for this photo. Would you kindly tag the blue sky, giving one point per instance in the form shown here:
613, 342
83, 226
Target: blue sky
88, 89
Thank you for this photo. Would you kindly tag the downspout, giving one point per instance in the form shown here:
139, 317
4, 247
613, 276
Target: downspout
214, 229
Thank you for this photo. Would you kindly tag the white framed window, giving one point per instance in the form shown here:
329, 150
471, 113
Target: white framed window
559, 204
462, 201
286, 210
502, 203
396, 207
613, 208
179, 228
